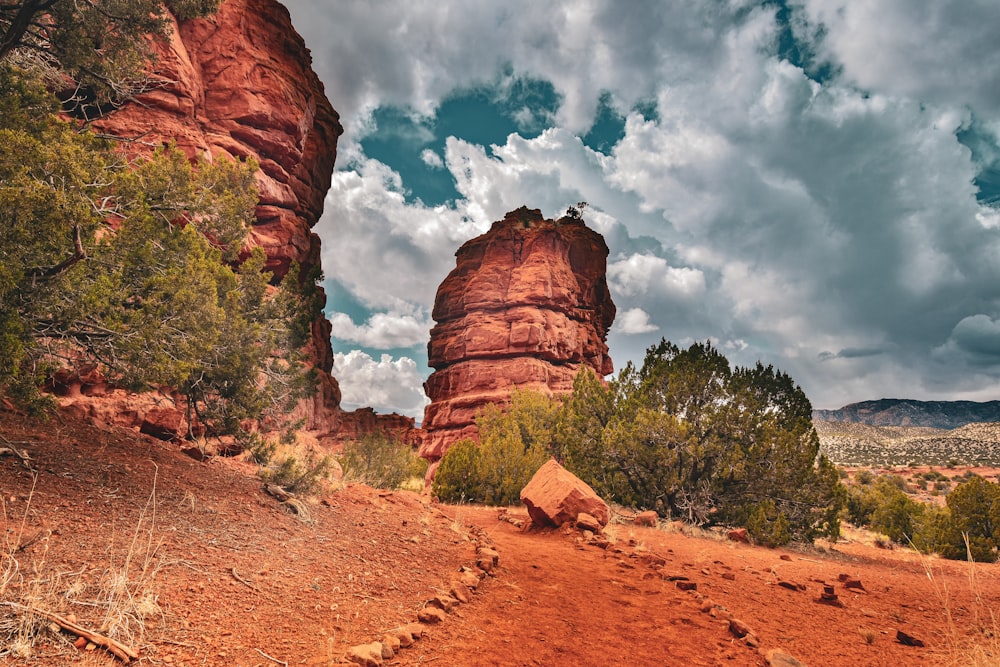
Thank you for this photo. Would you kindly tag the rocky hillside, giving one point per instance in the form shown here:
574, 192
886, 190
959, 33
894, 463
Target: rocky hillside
240, 84
907, 412
854, 444
526, 306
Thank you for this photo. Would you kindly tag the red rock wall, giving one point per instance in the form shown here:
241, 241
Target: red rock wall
237, 84
526, 306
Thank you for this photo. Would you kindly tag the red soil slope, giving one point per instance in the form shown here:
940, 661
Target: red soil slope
231, 578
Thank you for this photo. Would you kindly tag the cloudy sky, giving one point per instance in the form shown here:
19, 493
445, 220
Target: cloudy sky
814, 184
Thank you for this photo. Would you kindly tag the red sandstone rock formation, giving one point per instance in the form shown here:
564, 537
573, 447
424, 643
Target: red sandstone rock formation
238, 84
526, 306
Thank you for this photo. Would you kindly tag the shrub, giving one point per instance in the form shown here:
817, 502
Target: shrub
885, 507
514, 442
767, 526
457, 478
298, 473
691, 437
896, 516
378, 460
975, 513
864, 477
933, 530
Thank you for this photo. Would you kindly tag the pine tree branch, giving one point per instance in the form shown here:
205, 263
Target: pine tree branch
79, 254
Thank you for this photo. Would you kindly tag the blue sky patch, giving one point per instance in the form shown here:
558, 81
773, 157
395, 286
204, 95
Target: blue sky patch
413, 146
794, 48
986, 155
608, 128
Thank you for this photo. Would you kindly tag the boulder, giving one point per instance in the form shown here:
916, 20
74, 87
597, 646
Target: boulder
555, 496
163, 423
368, 655
738, 535
907, 639
738, 628
588, 523
431, 615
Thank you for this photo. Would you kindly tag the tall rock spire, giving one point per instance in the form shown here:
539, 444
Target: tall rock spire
527, 306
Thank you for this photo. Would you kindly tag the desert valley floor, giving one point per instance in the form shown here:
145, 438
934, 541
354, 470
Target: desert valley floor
198, 566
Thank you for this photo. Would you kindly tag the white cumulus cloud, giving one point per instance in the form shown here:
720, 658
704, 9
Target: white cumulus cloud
387, 385
828, 225
431, 159
634, 321
381, 331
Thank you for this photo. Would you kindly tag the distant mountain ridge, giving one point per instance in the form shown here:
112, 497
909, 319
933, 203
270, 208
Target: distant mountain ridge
908, 412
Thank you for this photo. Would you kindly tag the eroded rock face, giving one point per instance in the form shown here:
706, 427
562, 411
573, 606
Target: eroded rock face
526, 306
238, 84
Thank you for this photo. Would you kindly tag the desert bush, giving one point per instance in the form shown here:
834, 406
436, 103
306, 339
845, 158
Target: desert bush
685, 434
514, 442
933, 530
897, 517
379, 460
457, 478
885, 507
299, 472
766, 525
974, 508
689, 436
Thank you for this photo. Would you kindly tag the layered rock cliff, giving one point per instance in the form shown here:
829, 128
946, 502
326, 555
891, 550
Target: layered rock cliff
236, 84
526, 306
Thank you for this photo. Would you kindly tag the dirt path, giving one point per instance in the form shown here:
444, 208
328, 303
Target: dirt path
219, 574
556, 601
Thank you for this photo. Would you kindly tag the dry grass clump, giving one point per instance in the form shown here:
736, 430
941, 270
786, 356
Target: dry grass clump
34, 600
299, 465
981, 649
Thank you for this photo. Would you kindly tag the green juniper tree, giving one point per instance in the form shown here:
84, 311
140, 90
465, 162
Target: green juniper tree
132, 264
95, 53
684, 434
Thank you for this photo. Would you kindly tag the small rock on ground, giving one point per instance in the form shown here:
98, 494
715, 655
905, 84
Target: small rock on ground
777, 657
431, 615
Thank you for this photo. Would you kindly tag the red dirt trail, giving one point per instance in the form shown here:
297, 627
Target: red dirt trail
237, 580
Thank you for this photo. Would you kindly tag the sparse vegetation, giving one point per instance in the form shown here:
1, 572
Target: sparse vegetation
380, 460
968, 525
685, 435
296, 466
854, 444
123, 594
514, 443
